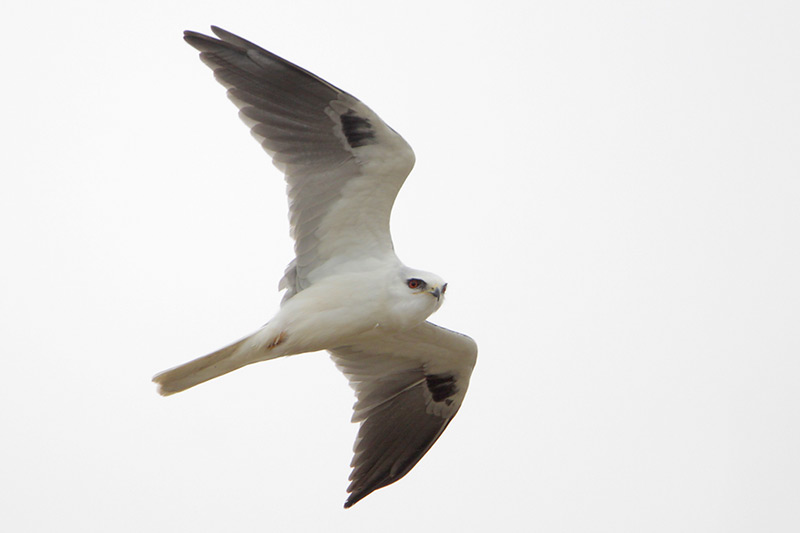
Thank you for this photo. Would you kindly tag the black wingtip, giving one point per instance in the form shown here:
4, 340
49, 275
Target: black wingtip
354, 498
190, 34
197, 39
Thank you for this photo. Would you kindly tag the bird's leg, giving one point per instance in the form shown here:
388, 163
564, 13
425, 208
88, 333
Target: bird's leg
277, 340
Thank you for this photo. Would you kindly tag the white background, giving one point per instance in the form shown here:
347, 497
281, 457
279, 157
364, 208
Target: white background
612, 190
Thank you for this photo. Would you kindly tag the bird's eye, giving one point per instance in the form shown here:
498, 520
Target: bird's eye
415, 283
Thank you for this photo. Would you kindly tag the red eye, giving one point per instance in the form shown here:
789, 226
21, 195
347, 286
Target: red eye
414, 283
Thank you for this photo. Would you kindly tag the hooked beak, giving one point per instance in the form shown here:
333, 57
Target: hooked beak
437, 292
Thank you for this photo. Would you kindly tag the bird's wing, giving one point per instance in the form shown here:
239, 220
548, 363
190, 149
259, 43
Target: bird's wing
408, 387
343, 164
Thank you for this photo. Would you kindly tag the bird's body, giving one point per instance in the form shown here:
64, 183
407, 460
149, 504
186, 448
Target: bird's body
346, 290
339, 310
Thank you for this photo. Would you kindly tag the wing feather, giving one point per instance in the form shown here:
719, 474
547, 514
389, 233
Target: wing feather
408, 388
343, 164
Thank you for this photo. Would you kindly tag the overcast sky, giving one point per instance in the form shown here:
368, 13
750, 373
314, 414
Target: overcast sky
611, 189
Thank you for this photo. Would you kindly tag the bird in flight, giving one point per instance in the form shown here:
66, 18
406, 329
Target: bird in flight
346, 290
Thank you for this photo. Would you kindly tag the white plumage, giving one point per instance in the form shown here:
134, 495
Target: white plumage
346, 290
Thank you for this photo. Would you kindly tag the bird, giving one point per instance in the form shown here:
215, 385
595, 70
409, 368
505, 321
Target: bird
346, 291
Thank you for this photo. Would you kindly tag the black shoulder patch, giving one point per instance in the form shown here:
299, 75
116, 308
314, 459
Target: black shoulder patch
442, 387
357, 130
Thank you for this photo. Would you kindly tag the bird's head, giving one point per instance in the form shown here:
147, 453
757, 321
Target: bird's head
426, 286
432, 286
413, 296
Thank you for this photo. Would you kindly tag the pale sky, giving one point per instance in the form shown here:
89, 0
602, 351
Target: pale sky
611, 189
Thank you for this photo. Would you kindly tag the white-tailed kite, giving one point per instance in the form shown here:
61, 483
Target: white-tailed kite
346, 290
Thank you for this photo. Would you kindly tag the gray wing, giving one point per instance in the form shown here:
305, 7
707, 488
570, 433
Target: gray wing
343, 164
408, 388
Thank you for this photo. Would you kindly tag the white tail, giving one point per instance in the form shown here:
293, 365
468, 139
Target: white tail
200, 370
266, 343
250, 349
